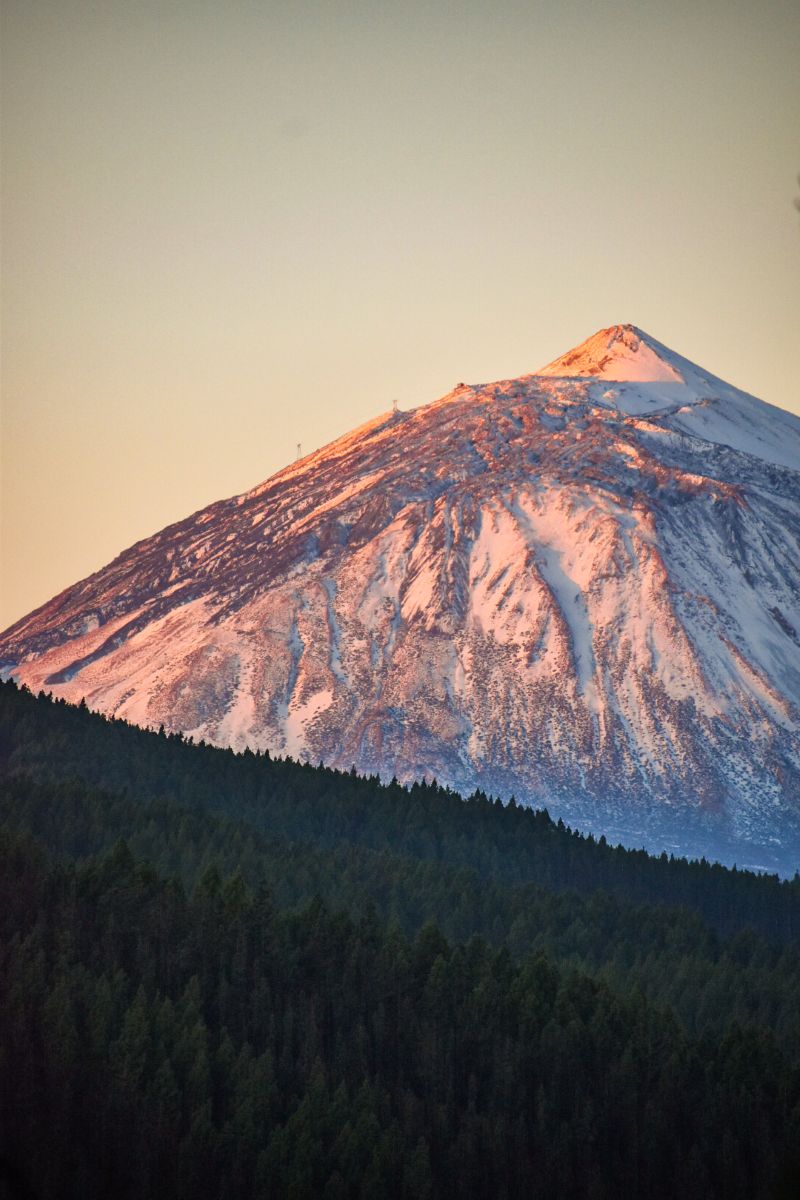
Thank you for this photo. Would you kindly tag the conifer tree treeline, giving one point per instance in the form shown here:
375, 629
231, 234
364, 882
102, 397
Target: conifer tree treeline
228, 975
322, 807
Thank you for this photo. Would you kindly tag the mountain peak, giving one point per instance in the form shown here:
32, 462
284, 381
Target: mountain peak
620, 353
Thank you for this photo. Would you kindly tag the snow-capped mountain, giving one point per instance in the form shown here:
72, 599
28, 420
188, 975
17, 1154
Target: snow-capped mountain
581, 587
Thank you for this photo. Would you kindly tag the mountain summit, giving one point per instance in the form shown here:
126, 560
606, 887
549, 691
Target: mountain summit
578, 586
621, 353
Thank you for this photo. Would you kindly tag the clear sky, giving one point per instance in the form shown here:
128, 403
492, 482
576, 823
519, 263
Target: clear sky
232, 227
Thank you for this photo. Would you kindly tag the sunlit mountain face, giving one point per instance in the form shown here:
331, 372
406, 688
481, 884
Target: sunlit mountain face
580, 587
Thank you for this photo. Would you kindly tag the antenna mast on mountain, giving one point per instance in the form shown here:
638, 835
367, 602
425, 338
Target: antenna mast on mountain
299, 452
395, 409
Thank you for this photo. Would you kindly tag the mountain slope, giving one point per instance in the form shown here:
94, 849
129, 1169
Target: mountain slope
579, 586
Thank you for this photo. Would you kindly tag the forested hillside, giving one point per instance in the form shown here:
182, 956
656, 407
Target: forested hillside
235, 976
325, 808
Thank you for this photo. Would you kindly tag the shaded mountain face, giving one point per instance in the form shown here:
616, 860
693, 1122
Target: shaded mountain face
580, 587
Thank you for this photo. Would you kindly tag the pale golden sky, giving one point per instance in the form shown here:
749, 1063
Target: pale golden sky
232, 227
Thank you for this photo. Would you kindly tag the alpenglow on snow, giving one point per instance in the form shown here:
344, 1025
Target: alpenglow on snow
579, 587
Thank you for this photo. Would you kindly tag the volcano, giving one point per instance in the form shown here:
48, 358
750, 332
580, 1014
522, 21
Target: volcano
580, 587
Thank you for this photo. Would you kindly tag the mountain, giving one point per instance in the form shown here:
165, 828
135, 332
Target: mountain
579, 586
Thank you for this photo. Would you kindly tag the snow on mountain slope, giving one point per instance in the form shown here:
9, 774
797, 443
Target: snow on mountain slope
580, 586
654, 380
